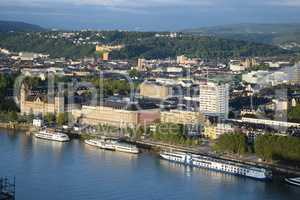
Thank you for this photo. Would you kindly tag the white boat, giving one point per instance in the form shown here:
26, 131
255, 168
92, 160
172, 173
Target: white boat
175, 157
95, 143
293, 181
55, 136
216, 164
127, 148
108, 145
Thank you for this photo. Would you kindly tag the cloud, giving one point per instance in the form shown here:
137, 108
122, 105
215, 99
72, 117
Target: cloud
113, 3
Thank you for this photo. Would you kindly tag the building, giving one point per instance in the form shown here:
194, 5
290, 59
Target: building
183, 60
241, 65
116, 115
268, 122
294, 74
182, 117
266, 78
108, 48
214, 99
141, 66
156, 90
105, 56
215, 131
39, 103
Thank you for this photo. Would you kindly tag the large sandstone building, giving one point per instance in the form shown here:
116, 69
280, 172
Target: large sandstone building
116, 115
39, 103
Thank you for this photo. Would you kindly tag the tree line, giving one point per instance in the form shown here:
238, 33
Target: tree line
268, 147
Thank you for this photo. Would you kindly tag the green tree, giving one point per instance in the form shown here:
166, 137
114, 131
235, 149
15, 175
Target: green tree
232, 143
62, 118
49, 118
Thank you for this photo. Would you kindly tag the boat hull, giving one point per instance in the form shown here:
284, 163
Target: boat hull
52, 138
292, 182
205, 163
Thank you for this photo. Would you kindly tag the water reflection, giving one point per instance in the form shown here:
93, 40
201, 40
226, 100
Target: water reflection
52, 170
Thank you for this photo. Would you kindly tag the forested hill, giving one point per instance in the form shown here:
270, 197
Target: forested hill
9, 26
137, 44
283, 35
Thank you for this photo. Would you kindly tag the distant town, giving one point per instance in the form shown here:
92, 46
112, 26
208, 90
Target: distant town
224, 105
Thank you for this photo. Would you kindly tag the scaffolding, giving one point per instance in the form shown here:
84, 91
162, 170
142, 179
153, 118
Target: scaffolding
7, 188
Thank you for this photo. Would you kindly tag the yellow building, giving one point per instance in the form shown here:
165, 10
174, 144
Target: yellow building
182, 117
105, 56
108, 48
210, 132
155, 90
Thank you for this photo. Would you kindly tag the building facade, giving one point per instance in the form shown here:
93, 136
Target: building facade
40, 104
95, 115
155, 90
181, 117
214, 99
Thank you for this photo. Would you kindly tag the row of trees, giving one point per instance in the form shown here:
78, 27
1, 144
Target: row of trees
294, 114
272, 147
267, 147
60, 119
173, 134
112, 86
231, 143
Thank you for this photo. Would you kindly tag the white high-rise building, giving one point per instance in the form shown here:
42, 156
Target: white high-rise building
214, 99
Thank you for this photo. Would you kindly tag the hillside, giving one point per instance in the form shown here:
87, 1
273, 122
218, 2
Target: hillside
284, 35
137, 44
13, 26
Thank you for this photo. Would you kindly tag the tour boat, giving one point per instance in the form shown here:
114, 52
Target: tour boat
127, 148
217, 165
108, 145
55, 136
102, 144
91, 142
293, 181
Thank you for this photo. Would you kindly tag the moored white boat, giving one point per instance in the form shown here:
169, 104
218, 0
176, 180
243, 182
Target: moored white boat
127, 148
108, 145
92, 142
55, 136
293, 181
217, 165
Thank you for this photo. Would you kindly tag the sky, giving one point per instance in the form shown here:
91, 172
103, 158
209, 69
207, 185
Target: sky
146, 15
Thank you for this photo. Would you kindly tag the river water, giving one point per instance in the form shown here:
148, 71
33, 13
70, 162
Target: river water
47, 170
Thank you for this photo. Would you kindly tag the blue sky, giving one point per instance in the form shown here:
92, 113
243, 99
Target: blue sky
148, 14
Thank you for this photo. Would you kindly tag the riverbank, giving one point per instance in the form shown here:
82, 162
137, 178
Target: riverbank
16, 126
277, 169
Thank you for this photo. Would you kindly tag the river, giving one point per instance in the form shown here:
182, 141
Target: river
47, 170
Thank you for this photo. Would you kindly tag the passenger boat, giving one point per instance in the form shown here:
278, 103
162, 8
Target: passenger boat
178, 157
217, 164
102, 144
108, 145
293, 181
127, 148
55, 136
91, 142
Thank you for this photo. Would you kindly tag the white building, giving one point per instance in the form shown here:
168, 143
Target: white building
214, 99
